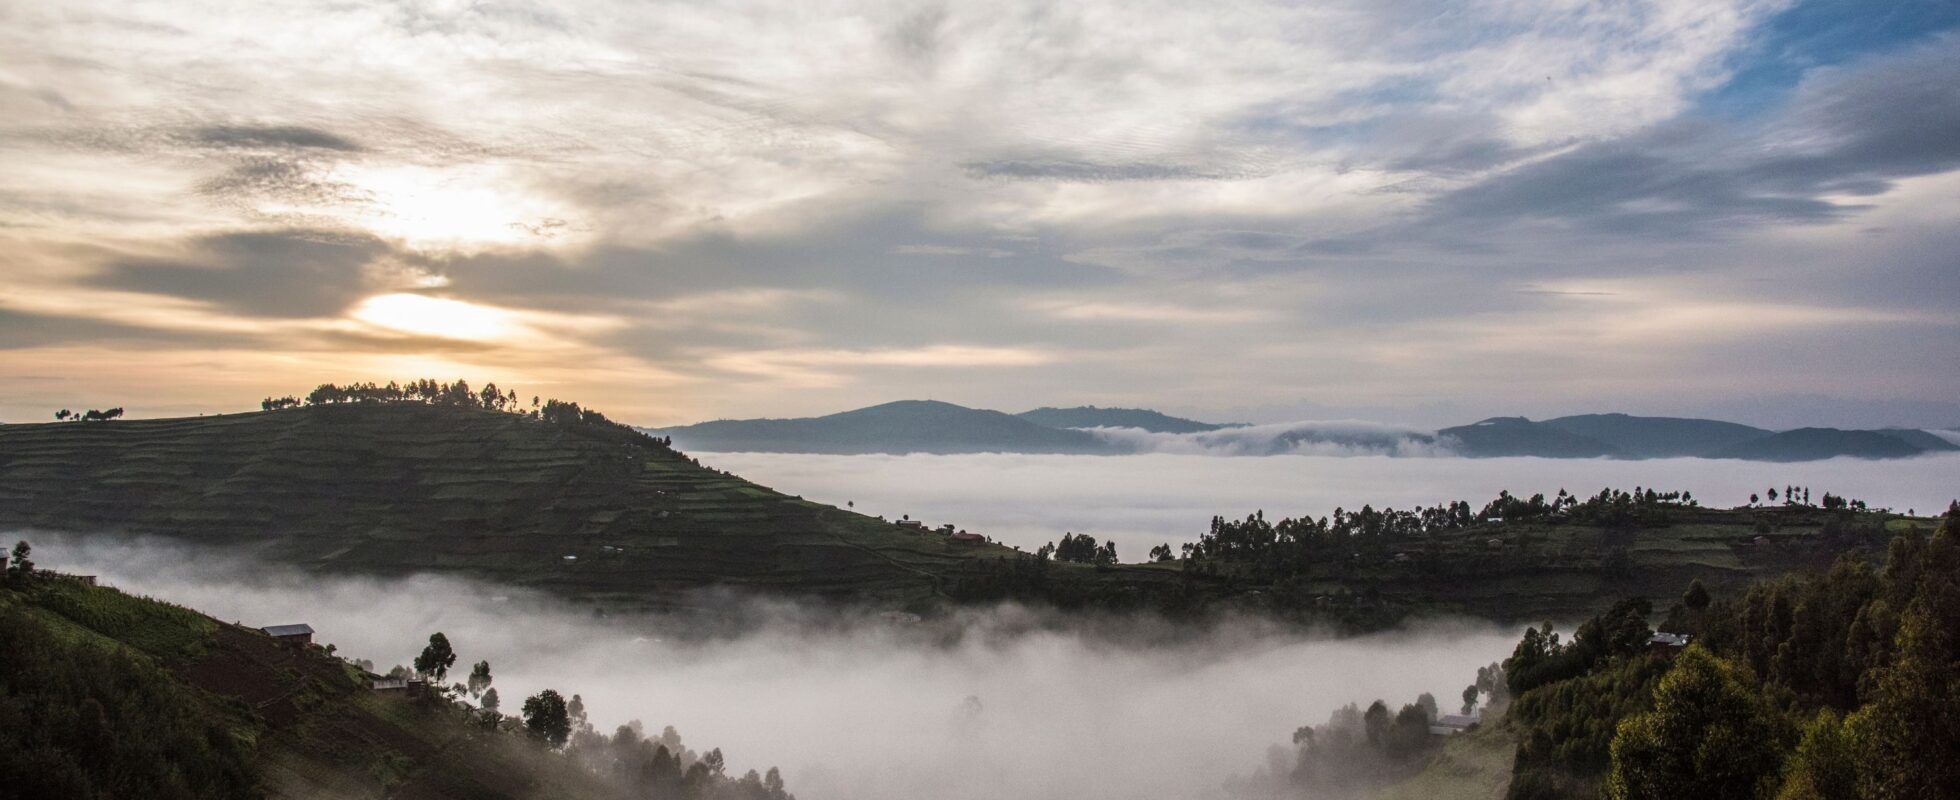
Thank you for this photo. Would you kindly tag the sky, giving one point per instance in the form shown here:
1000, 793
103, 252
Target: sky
1400, 210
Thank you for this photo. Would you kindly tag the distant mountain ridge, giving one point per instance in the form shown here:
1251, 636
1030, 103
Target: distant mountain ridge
905, 426
1139, 418
927, 426
1658, 437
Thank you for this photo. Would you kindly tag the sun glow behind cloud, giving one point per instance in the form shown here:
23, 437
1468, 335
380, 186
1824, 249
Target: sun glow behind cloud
421, 315
451, 208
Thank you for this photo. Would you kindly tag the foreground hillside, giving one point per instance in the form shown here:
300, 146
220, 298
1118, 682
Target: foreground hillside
104, 695
593, 511
108, 696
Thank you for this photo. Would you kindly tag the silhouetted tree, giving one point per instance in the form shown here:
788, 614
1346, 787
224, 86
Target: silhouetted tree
21, 567
479, 678
546, 719
437, 658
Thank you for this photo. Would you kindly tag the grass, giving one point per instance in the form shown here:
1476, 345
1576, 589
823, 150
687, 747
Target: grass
1471, 766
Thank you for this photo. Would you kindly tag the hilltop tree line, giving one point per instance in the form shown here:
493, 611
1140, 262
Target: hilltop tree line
1080, 550
91, 415
638, 766
1291, 545
457, 394
1828, 687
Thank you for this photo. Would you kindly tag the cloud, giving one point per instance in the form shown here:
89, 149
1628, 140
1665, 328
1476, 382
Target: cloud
1347, 203
272, 137
1141, 501
1088, 171
281, 273
853, 705
1319, 438
1846, 134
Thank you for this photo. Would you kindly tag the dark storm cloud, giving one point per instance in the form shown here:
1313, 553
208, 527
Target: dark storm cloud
272, 136
289, 273
1847, 131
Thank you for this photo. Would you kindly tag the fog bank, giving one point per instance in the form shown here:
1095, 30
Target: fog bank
855, 709
1144, 500
1320, 438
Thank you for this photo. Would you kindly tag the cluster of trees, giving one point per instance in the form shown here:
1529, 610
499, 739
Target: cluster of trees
639, 767
1357, 751
1827, 687
78, 720
424, 390
1800, 496
91, 415
1081, 550
433, 392
1290, 545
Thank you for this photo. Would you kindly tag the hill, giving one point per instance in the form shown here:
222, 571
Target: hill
1926, 441
1093, 417
108, 696
601, 514
1657, 437
1811, 444
591, 511
906, 426
198, 708
1517, 436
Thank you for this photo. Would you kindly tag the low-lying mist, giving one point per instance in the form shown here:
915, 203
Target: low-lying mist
995, 702
1319, 438
1144, 500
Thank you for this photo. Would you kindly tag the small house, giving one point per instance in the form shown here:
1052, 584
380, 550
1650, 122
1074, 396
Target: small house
1453, 724
301, 633
912, 523
963, 537
385, 684
1664, 643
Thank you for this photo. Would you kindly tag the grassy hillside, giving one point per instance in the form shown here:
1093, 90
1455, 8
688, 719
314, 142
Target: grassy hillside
108, 695
590, 511
602, 514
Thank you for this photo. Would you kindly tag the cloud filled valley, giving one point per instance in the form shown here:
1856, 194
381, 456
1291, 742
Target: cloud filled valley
996, 701
1144, 500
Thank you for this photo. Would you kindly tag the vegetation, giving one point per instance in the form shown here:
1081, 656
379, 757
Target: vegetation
104, 695
80, 720
440, 477
1838, 685
91, 415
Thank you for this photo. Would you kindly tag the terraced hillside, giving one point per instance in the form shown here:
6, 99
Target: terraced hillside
595, 512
